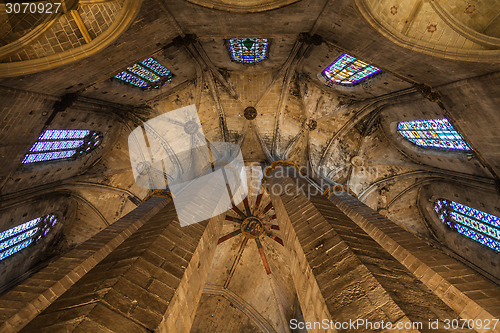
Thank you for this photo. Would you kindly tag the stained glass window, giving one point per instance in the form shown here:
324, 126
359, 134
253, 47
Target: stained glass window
482, 227
434, 133
18, 238
248, 50
59, 144
349, 71
146, 74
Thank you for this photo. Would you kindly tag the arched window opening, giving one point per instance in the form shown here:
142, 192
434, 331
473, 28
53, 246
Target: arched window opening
15, 239
62, 144
146, 74
349, 71
482, 227
248, 50
433, 133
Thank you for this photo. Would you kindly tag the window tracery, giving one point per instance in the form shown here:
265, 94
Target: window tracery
146, 74
248, 50
346, 70
15, 239
433, 133
62, 144
479, 226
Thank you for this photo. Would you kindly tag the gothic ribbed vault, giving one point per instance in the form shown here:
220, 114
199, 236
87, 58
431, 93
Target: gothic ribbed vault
341, 133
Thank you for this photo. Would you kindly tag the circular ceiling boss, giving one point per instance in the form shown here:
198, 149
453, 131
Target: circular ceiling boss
252, 227
250, 113
312, 124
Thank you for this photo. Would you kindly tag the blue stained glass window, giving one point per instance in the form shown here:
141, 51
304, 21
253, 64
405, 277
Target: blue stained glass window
20, 228
433, 133
248, 50
63, 134
349, 71
19, 237
61, 144
482, 227
15, 249
54, 155
155, 66
56, 145
143, 73
147, 73
131, 79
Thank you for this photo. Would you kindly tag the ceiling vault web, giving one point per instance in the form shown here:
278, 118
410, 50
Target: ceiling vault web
198, 86
216, 98
263, 145
366, 107
294, 140
215, 71
241, 304
373, 116
484, 184
90, 205
171, 18
309, 117
477, 152
15, 198
289, 67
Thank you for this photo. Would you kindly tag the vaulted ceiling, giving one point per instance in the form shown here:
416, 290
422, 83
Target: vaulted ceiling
437, 59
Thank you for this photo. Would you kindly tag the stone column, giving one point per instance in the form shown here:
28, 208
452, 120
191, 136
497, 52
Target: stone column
339, 271
22, 303
465, 291
151, 282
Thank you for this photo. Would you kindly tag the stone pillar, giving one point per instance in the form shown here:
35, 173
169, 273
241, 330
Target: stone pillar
151, 282
22, 303
339, 271
462, 289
